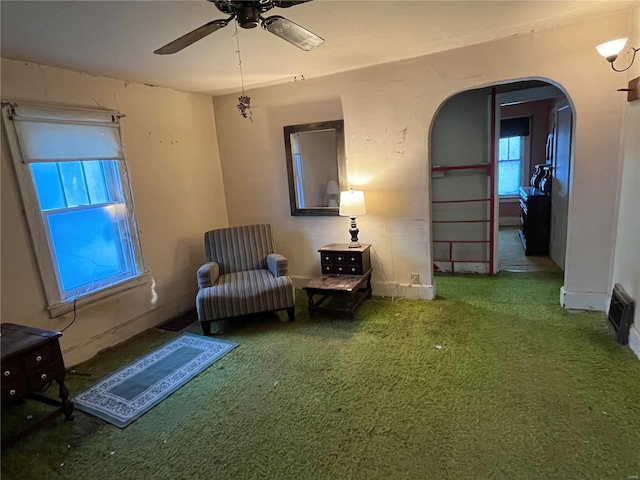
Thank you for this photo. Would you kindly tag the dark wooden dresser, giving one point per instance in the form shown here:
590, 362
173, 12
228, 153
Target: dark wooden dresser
535, 220
346, 272
31, 360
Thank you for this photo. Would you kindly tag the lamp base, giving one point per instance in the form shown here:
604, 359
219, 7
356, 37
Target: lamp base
354, 234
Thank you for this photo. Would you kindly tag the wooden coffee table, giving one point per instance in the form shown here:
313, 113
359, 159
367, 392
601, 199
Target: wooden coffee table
349, 292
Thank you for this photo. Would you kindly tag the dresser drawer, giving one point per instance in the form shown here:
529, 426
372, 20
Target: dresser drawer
38, 358
39, 379
14, 389
11, 369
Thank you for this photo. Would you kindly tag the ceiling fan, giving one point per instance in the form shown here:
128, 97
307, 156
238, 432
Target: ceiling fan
247, 14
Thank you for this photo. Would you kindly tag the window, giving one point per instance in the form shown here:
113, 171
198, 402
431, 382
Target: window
510, 165
75, 188
513, 157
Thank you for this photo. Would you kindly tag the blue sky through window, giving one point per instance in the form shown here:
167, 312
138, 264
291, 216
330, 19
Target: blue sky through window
83, 221
510, 155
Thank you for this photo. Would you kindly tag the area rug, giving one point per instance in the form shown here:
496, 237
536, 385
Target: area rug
130, 392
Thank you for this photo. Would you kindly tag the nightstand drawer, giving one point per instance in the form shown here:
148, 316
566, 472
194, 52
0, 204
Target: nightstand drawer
332, 258
340, 270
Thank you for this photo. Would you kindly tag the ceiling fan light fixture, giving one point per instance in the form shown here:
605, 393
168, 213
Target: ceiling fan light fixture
292, 32
248, 16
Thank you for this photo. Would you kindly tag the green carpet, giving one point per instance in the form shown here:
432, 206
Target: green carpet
520, 389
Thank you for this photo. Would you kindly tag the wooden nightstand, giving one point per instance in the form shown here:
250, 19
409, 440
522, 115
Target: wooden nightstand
346, 272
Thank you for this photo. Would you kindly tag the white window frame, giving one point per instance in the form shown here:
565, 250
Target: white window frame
40, 236
524, 167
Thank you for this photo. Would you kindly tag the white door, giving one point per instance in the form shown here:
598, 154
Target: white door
560, 186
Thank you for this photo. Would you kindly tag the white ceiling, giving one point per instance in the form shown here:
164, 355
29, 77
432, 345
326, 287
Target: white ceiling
117, 38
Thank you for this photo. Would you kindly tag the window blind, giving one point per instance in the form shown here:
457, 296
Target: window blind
46, 135
514, 127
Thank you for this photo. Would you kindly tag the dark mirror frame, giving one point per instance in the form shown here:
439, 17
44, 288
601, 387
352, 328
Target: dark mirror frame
338, 126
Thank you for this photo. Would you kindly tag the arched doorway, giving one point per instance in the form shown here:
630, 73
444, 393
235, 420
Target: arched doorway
486, 143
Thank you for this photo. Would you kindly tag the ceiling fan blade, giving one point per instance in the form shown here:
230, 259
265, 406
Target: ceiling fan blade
288, 3
292, 32
192, 37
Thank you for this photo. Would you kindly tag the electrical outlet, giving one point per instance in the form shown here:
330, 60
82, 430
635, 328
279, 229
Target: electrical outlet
415, 278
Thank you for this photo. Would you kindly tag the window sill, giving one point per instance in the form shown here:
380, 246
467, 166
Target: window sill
509, 198
57, 309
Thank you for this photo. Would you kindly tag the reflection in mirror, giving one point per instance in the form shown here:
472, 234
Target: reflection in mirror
315, 166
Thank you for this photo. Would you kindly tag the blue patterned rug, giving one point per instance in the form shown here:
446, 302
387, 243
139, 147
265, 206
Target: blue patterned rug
130, 392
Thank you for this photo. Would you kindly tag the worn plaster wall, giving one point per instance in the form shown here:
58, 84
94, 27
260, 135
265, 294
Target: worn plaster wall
626, 269
172, 152
388, 112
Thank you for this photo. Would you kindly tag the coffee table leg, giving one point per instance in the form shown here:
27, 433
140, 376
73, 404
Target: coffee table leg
311, 305
350, 304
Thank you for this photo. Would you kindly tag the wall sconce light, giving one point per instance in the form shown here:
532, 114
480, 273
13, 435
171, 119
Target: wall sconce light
351, 205
610, 51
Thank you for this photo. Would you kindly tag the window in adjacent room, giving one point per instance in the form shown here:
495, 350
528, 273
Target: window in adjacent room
513, 161
77, 197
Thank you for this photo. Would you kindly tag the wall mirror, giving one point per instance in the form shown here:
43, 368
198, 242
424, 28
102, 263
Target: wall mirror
316, 167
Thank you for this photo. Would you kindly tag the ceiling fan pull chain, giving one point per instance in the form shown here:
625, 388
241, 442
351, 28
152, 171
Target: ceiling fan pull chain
244, 105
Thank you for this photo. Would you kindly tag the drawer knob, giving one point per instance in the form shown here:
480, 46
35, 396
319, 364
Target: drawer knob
340, 258
353, 269
12, 392
326, 268
353, 259
38, 358
7, 373
326, 258
43, 376
339, 269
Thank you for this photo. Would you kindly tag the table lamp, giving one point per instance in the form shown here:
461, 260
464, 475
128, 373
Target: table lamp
351, 205
332, 190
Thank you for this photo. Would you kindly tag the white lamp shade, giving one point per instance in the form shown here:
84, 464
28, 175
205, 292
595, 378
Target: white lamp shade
352, 203
333, 188
614, 47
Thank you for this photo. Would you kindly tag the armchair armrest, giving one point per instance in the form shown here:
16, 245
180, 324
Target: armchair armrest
208, 274
277, 265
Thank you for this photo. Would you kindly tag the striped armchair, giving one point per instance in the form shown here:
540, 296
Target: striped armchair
242, 275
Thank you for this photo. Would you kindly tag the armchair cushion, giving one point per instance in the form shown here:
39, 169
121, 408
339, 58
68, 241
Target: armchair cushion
241, 293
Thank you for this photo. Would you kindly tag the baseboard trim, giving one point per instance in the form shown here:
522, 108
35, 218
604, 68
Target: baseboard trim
386, 289
634, 340
584, 301
89, 348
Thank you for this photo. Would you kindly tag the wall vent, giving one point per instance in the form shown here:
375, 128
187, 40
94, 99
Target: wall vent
620, 315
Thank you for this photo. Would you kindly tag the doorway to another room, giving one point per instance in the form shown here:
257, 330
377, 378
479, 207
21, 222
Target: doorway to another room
500, 198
